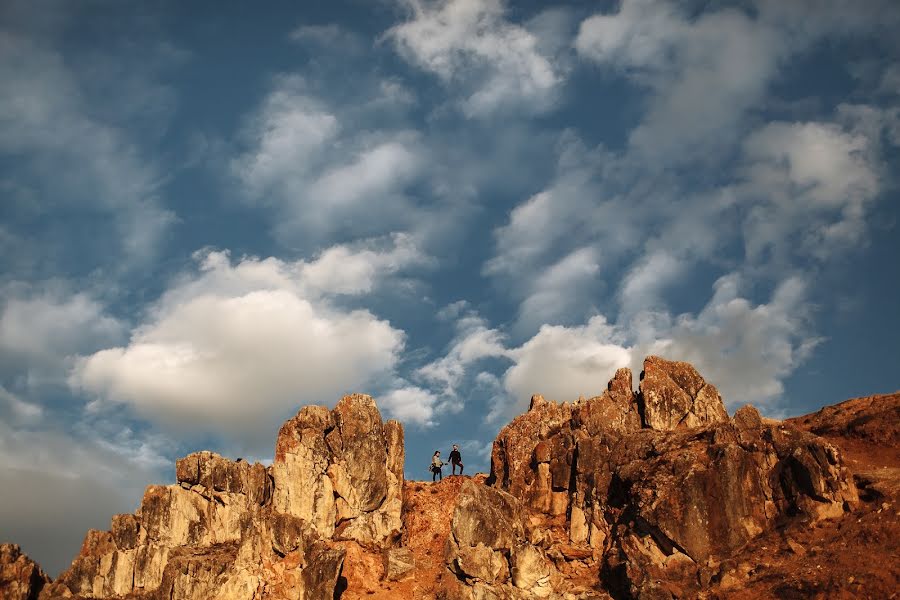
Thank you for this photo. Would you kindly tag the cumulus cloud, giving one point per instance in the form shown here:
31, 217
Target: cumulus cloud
643, 284
410, 404
746, 349
234, 346
550, 254
557, 294
797, 190
564, 363
474, 341
470, 43
701, 97
16, 411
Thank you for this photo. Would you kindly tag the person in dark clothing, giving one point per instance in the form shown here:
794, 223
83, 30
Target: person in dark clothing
456, 459
436, 466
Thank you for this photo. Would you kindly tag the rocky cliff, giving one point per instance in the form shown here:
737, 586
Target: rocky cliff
648, 494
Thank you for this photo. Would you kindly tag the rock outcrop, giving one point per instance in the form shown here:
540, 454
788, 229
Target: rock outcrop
653, 490
232, 530
20, 577
652, 494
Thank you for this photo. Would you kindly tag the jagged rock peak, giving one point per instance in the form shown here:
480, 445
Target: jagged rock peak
651, 487
20, 577
674, 395
231, 530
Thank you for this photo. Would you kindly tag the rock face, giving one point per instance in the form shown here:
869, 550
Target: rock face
676, 396
655, 489
342, 471
232, 530
20, 577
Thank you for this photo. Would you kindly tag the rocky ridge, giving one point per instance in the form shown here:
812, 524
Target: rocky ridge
648, 494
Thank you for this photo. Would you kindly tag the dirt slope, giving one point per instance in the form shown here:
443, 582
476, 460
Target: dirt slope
857, 556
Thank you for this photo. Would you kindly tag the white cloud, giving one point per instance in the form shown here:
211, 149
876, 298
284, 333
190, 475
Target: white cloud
320, 172
474, 341
234, 347
646, 280
550, 253
564, 363
746, 351
557, 294
699, 95
347, 270
410, 404
469, 43
641, 35
813, 178
16, 411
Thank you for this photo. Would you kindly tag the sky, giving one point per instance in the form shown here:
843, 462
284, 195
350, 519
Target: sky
215, 213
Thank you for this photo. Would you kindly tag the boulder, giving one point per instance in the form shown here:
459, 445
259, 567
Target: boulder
488, 546
657, 484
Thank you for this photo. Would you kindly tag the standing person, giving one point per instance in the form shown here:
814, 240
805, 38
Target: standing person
456, 459
436, 465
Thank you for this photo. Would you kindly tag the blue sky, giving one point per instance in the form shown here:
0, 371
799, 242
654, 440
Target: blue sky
212, 215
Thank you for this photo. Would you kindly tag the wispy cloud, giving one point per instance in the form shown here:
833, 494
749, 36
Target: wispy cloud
470, 45
69, 156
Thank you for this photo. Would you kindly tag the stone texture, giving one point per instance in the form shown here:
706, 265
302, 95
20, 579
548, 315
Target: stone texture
674, 395
488, 545
398, 563
239, 531
20, 577
342, 471
655, 485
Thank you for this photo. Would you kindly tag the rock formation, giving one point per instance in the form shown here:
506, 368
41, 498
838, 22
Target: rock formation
655, 494
656, 489
20, 577
233, 530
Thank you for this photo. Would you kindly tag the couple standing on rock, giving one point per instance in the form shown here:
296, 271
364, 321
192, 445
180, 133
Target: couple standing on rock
437, 464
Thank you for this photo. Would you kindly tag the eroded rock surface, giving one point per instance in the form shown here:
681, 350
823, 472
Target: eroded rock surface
651, 490
342, 471
20, 577
232, 530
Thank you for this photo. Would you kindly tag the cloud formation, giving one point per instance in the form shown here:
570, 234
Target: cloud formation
42, 326
236, 345
323, 176
470, 44
70, 158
